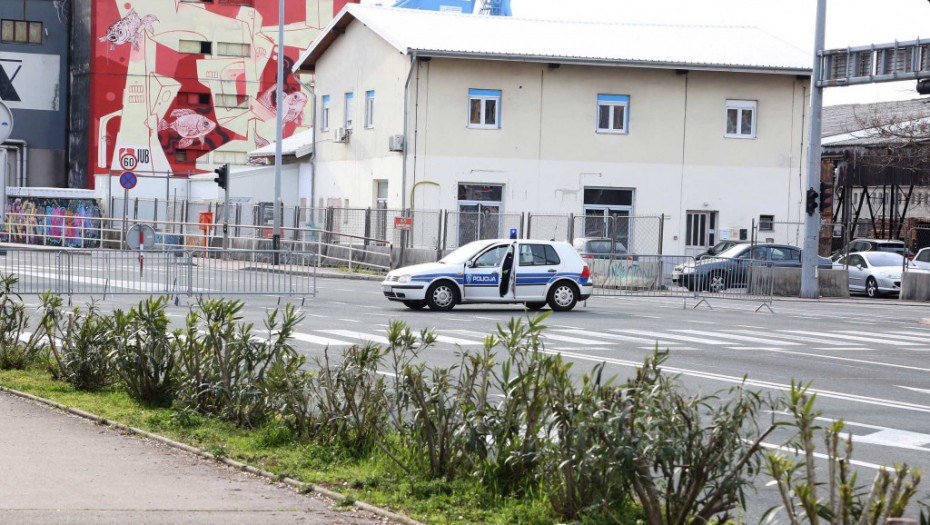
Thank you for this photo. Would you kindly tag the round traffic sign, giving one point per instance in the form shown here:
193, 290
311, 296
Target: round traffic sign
128, 160
128, 180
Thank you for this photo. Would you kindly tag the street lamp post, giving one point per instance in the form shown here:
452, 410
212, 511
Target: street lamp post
279, 127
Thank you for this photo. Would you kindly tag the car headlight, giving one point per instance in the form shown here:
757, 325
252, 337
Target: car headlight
404, 278
687, 269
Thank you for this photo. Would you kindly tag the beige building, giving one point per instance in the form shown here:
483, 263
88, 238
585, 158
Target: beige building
429, 110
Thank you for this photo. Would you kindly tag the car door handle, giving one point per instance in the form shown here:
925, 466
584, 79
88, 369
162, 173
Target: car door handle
552, 271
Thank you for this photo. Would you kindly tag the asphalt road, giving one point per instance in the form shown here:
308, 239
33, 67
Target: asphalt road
868, 360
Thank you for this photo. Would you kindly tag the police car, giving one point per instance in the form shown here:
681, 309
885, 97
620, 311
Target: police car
531, 272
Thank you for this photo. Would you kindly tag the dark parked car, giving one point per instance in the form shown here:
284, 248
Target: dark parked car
599, 248
719, 248
875, 245
728, 270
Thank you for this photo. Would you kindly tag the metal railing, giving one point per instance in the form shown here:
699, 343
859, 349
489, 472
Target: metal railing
175, 273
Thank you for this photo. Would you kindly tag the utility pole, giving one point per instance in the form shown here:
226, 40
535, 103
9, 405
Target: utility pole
810, 288
279, 104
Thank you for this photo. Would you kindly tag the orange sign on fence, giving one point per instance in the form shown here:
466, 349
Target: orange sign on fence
403, 223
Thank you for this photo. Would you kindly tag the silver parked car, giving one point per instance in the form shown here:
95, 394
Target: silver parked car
874, 273
922, 259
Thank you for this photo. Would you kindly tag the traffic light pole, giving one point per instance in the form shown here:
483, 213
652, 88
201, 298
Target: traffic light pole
810, 288
226, 212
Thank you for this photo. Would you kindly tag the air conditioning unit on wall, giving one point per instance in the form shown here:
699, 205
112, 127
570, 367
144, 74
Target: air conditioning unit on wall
342, 135
396, 143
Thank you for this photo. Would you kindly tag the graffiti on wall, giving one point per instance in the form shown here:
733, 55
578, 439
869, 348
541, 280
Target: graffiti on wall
73, 223
184, 80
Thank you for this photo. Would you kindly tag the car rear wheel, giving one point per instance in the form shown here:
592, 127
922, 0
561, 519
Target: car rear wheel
563, 296
415, 305
871, 288
716, 282
442, 296
536, 306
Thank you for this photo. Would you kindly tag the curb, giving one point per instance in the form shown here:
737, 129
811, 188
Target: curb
293, 483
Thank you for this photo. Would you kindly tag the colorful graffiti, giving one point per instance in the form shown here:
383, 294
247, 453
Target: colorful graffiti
177, 81
73, 223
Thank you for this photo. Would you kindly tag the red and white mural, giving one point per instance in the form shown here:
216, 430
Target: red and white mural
174, 81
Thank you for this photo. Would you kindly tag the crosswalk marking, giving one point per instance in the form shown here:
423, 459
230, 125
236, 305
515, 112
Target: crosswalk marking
381, 340
324, 341
854, 338
742, 338
893, 335
662, 336
574, 340
816, 340
457, 341
613, 337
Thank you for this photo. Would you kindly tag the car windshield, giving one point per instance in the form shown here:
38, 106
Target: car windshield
464, 253
734, 252
720, 247
890, 247
885, 259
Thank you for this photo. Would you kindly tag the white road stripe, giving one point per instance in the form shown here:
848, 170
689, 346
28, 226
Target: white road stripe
849, 359
317, 340
613, 337
670, 348
663, 336
918, 339
573, 340
797, 338
357, 335
872, 340
457, 341
819, 455
740, 338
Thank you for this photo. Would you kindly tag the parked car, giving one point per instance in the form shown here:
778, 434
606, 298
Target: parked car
599, 248
874, 273
874, 245
922, 259
728, 269
719, 248
531, 272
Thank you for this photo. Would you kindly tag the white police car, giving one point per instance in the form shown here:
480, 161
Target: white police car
531, 272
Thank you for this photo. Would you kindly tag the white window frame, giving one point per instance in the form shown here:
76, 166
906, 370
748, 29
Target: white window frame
768, 220
369, 109
349, 111
613, 102
484, 95
740, 106
324, 114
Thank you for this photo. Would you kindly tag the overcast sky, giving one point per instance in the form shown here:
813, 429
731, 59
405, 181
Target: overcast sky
849, 23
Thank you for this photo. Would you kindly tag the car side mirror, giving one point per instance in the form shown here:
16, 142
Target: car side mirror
469, 264
859, 266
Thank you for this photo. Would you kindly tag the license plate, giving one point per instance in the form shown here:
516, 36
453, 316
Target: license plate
386, 288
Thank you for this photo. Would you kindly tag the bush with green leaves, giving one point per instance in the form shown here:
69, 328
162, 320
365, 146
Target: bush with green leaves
145, 357
17, 349
78, 344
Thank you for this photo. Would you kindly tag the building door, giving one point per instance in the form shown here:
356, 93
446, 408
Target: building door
700, 231
607, 214
480, 206
380, 219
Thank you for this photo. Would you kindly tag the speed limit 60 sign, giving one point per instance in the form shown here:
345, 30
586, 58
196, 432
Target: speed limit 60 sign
128, 160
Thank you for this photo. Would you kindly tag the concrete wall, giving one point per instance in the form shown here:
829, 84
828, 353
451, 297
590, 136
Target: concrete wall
915, 286
787, 282
547, 151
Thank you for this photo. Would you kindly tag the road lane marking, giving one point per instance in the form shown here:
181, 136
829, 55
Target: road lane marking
457, 341
798, 338
670, 349
872, 340
740, 338
925, 340
912, 389
487, 318
349, 320
854, 398
613, 337
700, 322
819, 455
357, 335
850, 359
661, 336
308, 338
573, 340
567, 327
752, 326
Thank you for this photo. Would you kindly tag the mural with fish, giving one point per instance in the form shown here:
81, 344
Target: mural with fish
42, 221
192, 82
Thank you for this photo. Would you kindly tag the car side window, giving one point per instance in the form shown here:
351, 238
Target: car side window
552, 258
791, 254
758, 253
491, 258
924, 256
778, 254
856, 260
538, 255
842, 260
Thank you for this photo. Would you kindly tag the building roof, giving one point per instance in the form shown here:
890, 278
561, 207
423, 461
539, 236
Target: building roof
298, 145
857, 124
438, 34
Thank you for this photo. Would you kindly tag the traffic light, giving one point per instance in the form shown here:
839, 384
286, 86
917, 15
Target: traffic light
826, 196
222, 177
811, 201
923, 87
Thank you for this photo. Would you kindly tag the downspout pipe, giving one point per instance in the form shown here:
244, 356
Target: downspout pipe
23, 148
309, 89
403, 177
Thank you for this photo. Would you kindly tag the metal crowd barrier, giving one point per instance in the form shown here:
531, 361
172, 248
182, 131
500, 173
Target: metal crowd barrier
684, 277
175, 273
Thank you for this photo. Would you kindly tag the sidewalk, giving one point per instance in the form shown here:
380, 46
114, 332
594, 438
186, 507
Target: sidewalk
58, 468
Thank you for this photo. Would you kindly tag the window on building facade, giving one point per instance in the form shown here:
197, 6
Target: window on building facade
229, 49
21, 32
369, 109
349, 111
612, 113
194, 99
182, 156
741, 119
766, 223
231, 101
484, 108
195, 47
324, 114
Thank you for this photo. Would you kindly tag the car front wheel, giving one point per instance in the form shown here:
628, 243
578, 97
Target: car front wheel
563, 297
441, 296
871, 288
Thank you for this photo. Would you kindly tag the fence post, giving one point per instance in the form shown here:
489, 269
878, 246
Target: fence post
155, 219
328, 224
522, 222
439, 236
445, 229
571, 228
135, 209
529, 225
367, 224
661, 232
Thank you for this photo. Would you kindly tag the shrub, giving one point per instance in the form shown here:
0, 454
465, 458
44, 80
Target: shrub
146, 354
78, 345
15, 353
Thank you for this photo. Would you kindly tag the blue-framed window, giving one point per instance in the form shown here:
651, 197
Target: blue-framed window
484, 108
370, 109
349, 113
324, 114
613, 114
